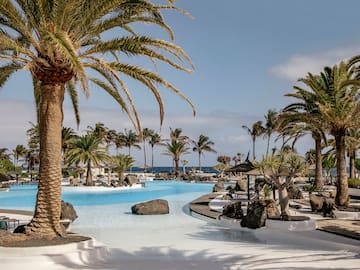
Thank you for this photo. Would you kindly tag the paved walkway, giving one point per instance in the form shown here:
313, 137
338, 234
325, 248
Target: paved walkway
347, 228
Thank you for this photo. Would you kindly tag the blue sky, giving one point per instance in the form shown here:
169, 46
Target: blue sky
247, 55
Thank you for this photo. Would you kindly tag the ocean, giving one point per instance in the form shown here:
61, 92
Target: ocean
171, 169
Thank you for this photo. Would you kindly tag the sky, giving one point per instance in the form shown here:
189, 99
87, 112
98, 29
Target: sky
247, 55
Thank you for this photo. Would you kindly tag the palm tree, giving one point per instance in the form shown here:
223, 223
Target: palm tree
146, 134
270, 127
87, 149
352, 141
120, 164
19, 152
176, 134
98, 130
67, 136
203, 144
340, 110
58, 42
175, 149
256, 130
130, 139
305, 115
155, 139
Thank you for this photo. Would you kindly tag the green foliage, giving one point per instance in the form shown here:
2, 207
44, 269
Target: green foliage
121, 163
357, 164
309, 188
6, 166
354, 183
267, 190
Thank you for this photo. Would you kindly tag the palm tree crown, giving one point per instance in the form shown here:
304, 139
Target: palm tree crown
203, 144
62, 44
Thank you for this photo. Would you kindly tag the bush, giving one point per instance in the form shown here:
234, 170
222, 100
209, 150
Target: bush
309, 188
354, 183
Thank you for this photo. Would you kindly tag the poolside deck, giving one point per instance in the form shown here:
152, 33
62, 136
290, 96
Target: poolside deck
346, 228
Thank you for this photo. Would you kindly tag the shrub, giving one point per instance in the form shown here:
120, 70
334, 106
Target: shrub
354, 183
309, 188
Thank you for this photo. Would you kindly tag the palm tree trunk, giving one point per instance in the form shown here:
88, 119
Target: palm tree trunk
46, 220
89, 180
342, 189
352, 164
254, 157
176, 165
268, 145
199, 161
144, 156
152, 159
318, 164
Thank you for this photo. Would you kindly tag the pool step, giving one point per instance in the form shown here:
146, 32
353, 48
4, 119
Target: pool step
90, 253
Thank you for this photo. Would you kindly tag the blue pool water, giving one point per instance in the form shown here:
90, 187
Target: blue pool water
24, 196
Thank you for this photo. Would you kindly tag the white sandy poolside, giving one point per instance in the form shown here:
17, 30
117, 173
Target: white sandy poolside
179, 241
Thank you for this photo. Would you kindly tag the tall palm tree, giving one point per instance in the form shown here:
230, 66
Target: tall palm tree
130, 139
87, 149
352, 141
340, 110
155, 139
98, 130
256, 130
176, 149
270, 126
305, 114
176, 134
59, 42
146, 134
67, 136
203, 144
19, 152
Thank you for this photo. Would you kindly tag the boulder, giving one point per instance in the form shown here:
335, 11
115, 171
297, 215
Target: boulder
256, 215
154, 207
67, 211
316, 203
241, 185
233, 210
131, 179
295, 193
218, 187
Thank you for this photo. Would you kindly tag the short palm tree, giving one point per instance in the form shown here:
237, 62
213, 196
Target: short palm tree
67, 136
87, 149
352, 141
121, 163
130, 139
59, 42
255, 131
176, 134
203, 144
176, 149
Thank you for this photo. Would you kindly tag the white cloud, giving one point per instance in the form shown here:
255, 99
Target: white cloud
223, 128
297, 66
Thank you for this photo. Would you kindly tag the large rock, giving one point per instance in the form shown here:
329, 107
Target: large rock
322, 204
241, 185
233, 210
218, 187
154, 207
256, 215
131, 179
68, 211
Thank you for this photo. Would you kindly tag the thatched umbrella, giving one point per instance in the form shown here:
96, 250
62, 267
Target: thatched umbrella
244, 167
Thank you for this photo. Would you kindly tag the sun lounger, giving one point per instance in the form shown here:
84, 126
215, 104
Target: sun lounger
7, 223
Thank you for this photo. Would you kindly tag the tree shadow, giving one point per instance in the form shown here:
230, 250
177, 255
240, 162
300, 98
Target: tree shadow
167, 258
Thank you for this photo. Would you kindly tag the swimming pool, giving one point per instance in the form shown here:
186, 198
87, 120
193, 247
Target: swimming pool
24, 196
